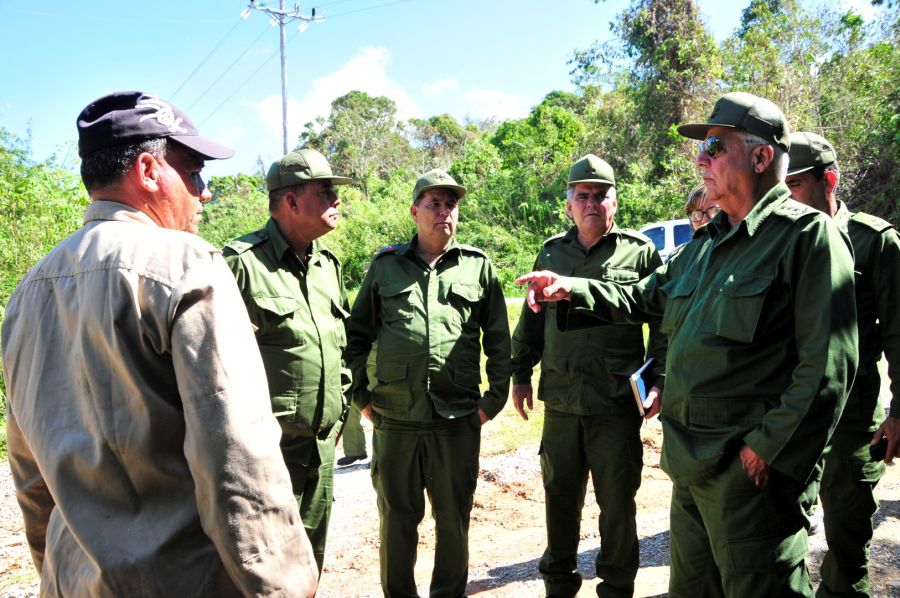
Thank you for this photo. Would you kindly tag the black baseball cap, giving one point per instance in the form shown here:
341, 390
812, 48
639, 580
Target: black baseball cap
130, 116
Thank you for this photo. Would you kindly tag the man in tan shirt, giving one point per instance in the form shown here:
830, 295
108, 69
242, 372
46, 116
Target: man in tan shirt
142, 446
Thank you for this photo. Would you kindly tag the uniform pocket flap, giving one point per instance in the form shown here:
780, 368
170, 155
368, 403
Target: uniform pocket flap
280, 305
621, 366
469, 292
391, 372
625, 275
768, 554
745, 285
396, 289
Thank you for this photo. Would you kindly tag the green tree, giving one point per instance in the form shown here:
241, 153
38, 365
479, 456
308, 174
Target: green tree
361, 138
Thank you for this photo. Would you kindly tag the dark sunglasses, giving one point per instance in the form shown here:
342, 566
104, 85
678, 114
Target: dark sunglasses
713, 146
697, 215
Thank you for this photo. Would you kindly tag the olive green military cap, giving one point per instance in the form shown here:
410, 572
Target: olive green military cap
437, 179
745, 111
301, 166
809, 150
591, 169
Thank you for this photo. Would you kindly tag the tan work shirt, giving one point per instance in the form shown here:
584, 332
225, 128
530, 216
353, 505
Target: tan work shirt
142, 445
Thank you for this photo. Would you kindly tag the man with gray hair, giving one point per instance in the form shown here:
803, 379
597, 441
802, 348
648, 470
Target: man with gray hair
591, 423
850, 471
762, 351
138, 422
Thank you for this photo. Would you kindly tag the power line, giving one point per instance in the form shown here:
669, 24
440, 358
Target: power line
350, 12
246, 81
228, 68
202, 62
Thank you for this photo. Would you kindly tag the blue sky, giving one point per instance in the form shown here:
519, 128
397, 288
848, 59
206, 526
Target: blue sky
487, 58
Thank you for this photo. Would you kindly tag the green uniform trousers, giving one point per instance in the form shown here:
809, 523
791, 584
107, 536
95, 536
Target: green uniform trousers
848, 506
410, 458
609, 447
730, 538
353, 437
310, 463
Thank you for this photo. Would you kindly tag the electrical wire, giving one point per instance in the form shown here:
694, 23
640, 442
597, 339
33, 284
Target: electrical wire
172, 95
247, 80
228, 68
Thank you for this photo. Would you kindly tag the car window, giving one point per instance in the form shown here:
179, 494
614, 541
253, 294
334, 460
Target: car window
657, 234
683, 233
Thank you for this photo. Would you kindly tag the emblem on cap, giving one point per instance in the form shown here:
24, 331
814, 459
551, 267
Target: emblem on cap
163, 114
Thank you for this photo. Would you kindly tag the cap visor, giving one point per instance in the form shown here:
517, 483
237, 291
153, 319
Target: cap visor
335, 180
798, 170
457, 190
598, 181
206, 148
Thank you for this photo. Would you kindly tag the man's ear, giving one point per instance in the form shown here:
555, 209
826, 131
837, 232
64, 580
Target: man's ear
831, 181
414, 211
147, 171
762, 156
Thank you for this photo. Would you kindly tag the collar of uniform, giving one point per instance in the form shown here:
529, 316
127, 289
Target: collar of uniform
572, 234
410, 248
110, 209
772, 199
280, 246
842, 216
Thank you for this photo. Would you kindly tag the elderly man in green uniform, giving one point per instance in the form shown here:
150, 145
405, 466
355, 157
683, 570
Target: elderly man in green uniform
431, 304
591, 422
850, 475
294, 292
762, 351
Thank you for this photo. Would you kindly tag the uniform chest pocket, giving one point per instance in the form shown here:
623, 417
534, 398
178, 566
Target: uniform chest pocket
734, 309
396, 304
620, 275
274, 319
463, 299
678, 300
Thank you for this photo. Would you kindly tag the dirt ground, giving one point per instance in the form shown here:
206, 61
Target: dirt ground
506, 536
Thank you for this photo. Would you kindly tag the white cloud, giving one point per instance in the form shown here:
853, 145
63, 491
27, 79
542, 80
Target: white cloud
365, 71
441, 87
495, 103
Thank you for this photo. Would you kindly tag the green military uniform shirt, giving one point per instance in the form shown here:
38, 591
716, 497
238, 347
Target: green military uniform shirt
761, 320
586, 372
428, 323
300, 312
876, 257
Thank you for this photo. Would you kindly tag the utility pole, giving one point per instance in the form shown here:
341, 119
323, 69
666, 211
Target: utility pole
281, 17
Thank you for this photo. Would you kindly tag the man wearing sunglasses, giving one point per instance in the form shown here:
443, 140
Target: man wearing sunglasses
591, 423
762, 351
294, 292
850, 474
137, 418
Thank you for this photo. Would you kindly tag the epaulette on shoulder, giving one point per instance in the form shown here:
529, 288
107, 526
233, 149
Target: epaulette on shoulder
555, 238
874, 222
635, 235
472, 249
388, 249
794, 210
247, 242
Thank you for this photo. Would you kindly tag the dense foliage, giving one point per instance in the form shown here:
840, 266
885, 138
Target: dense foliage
831, 72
